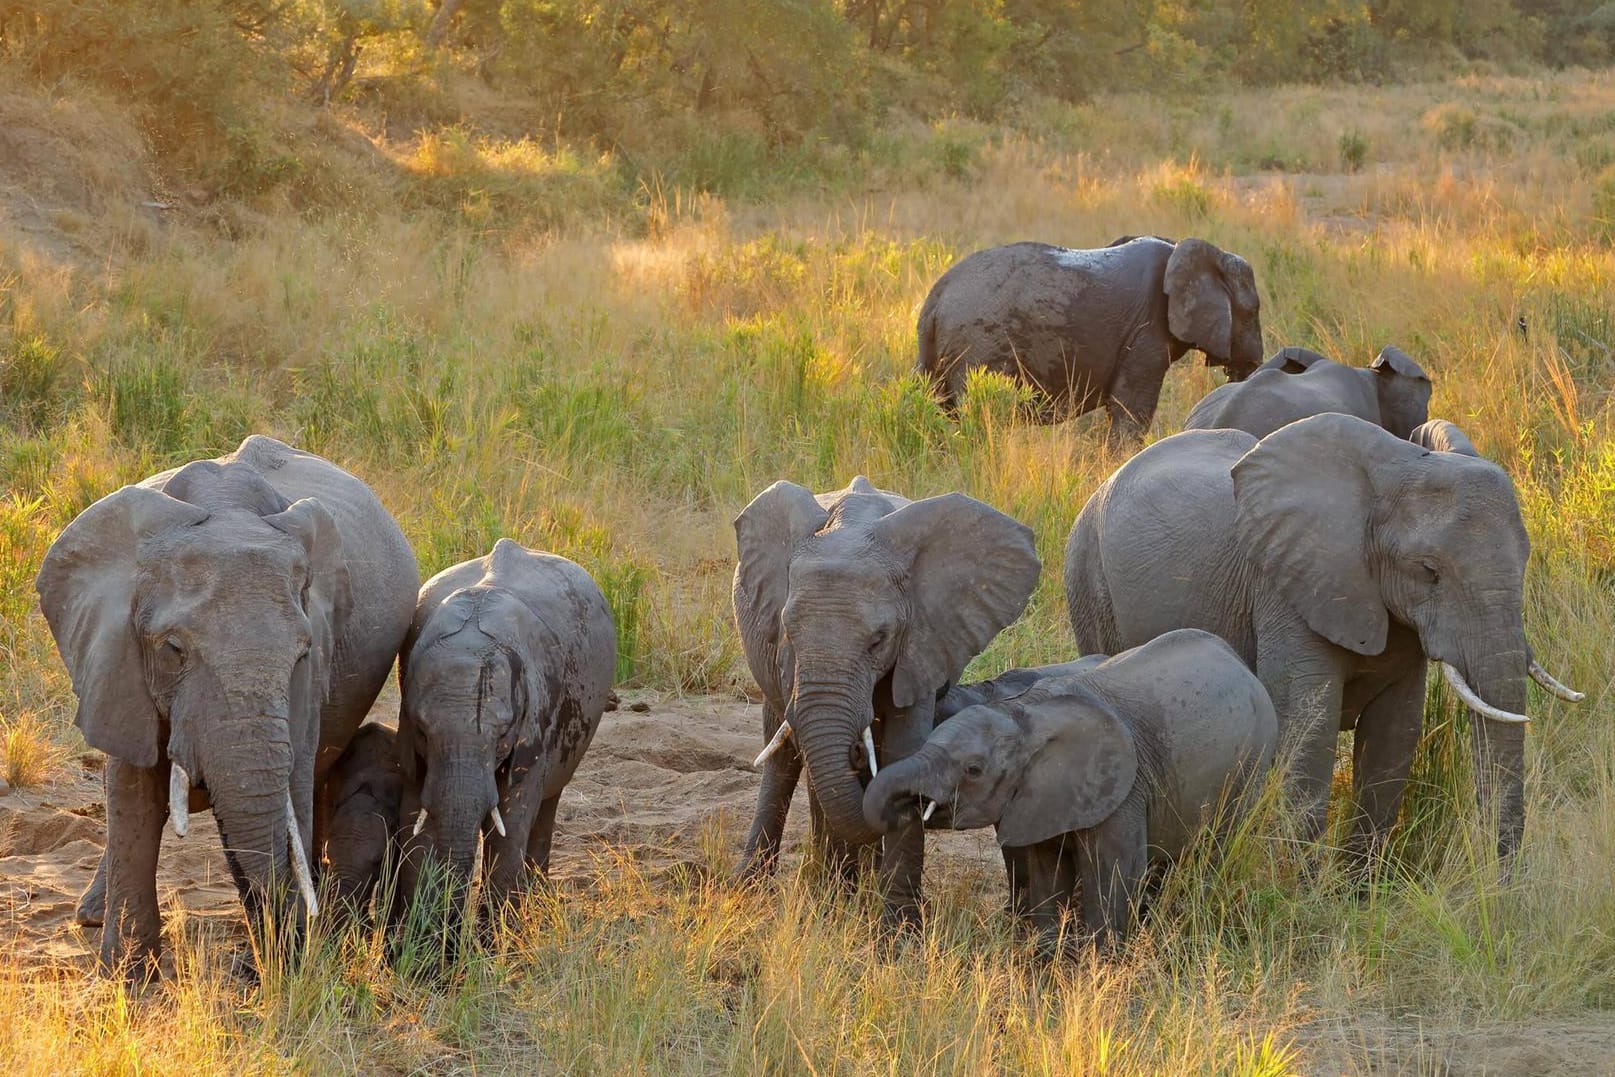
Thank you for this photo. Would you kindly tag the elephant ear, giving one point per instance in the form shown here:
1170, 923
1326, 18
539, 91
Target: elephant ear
1304, 506
767, 531
329, 589
1199, 309
1438, 435
1393, 360
86, 589
971, 570
1403, 390
1294, 360
1085, 768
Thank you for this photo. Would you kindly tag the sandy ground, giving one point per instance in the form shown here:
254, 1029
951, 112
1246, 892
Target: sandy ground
654, 782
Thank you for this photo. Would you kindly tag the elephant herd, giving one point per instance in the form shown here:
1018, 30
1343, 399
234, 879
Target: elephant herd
1283, 569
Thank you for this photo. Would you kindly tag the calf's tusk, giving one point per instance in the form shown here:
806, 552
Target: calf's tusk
930, 806
1552, 684
869, 746
1473, 700
498, 821
305, 881
780, 734
179, 799
420, 823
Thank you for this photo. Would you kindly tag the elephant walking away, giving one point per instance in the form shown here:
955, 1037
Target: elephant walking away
856, 609
505, 673
1095, 776
1392, 392
226, 625
1086, 328
1337, 560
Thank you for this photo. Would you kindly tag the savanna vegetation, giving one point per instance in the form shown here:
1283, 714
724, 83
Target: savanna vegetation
592, 274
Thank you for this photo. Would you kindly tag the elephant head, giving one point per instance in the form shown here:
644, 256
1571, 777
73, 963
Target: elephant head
1354, 528
1212, 305
1054, 760
474, 703
847, 599
1438, 435
196, 623
362, 804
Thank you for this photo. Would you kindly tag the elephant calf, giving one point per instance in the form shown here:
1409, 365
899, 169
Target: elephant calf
1392, 392
1091, 777
505, 673
362, 804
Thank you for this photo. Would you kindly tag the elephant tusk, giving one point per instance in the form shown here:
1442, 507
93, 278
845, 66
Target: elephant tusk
1552, 684
925, 816
1473, 700
497, 819
869, 746
780, 734
305, 880
179, 799
420, 823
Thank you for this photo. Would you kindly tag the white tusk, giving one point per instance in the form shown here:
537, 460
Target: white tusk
420, 823
780, 734
930, 806
869, 746
1548, 681
305, 881
1475, 703
498, 821
179, 799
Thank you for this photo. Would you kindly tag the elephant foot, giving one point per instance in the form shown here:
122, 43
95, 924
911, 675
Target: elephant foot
92, 907
138, 962
902, 918
754, 868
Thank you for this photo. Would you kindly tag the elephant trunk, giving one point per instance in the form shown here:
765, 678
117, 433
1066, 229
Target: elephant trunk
460, 792
829, 723
926, 775
247, 764
1498, 675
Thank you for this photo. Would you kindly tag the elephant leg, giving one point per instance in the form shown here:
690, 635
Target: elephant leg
1112, 866
136, 810
781, 772
538, 843
1134, 394
92, 906
1382, 754
902, 858
1306, 688
1015, 869
1051, 882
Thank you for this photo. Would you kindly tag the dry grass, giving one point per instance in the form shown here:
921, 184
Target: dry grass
618, 393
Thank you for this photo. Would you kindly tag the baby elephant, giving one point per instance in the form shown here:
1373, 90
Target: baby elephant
362, 804
505, 673
1096, 775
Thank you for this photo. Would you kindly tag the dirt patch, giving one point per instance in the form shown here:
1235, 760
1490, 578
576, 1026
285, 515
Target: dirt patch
653, 783
1560, 1048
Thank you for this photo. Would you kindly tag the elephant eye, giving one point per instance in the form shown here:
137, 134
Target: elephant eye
878, 641
974, 770
1430, 571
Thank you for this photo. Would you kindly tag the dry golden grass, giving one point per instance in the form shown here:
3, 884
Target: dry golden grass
617, 393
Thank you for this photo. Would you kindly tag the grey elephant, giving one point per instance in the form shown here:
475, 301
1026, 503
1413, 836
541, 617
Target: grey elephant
362, 803
856, 610
1096, 776
226, 625
1438, 435
1086, 328
505, 673
1392, 392
1337, 560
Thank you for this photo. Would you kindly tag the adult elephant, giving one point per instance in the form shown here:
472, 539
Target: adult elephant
856, 610
1091, 327
1392, 392
226, 626
1337, 560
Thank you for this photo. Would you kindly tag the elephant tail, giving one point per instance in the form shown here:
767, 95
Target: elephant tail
927, 363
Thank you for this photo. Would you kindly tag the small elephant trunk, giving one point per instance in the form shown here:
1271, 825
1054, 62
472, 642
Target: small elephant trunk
460, 792
899, 787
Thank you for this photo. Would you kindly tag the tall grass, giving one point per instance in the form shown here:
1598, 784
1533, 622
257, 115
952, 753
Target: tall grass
618, 393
